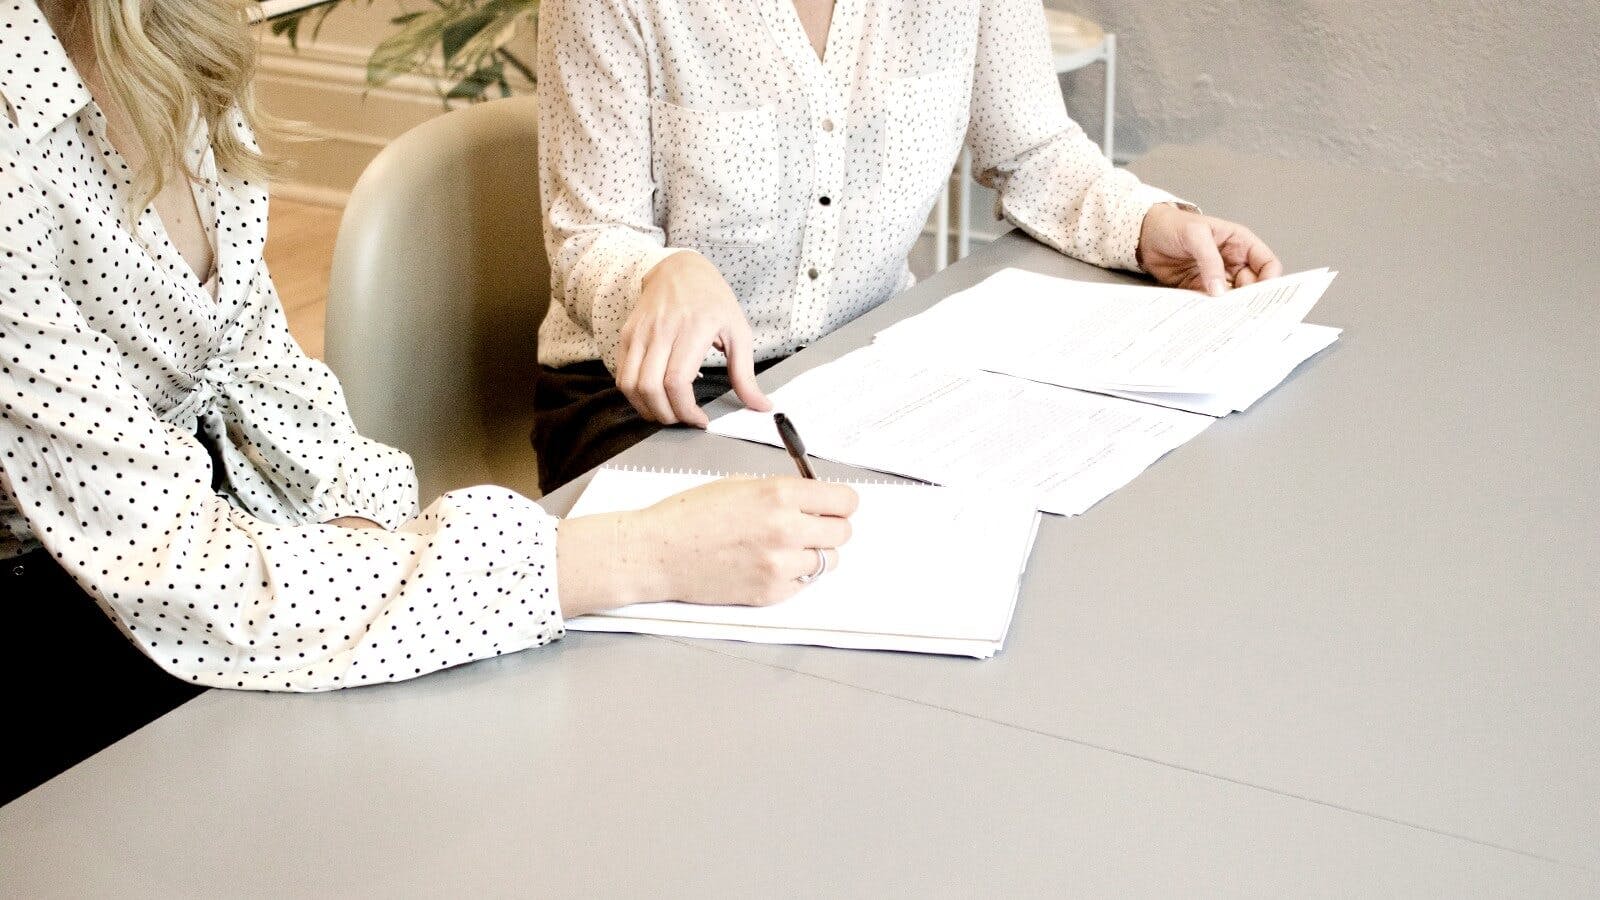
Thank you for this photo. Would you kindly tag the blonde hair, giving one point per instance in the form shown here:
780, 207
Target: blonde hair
173, 64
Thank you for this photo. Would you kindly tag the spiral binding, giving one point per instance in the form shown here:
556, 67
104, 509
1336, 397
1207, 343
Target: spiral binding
655, 470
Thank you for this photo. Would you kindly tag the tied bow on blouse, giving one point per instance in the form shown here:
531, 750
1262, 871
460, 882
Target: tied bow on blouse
113, 356
244, 448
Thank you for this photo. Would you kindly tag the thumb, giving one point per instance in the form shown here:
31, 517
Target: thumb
1202, 247
738, 346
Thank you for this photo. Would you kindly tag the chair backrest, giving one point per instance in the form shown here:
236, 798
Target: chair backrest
439, 283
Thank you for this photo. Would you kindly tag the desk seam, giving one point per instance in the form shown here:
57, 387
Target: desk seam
1328, 804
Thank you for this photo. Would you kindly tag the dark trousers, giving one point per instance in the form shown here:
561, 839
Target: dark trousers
582, 419
76, 684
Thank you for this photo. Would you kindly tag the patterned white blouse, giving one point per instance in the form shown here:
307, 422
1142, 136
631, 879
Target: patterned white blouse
713, 125
113, 356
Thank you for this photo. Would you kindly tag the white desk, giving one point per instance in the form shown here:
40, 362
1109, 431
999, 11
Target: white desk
1341, 644
1381, 587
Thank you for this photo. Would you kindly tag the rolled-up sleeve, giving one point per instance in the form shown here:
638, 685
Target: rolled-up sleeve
1054, 183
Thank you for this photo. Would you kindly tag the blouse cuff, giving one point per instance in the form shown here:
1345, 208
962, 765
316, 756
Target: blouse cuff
1132, 213
373, 482
612, 279
513, 554
539, 575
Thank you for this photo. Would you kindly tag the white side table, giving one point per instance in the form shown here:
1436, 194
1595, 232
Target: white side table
1075, 42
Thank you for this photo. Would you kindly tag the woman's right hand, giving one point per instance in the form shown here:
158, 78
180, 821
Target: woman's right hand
685, 308
738, 541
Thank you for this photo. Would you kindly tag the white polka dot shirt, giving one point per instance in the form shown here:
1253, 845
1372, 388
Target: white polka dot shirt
712, 125
113, 356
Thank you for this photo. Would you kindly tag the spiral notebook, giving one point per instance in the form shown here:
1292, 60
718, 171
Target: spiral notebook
927, 569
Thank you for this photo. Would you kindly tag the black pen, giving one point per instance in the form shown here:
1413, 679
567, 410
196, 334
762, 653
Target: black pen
792, 443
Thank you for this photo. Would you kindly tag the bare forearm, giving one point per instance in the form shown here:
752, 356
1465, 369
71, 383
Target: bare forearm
603, 562
738, 541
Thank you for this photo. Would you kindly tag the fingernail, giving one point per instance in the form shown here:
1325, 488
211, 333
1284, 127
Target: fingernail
1216, 286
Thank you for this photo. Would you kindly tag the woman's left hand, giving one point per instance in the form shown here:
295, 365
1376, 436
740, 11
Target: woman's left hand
1188, 250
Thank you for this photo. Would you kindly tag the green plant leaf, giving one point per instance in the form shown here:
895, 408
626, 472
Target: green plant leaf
462, 43
288, 26
407, 50
458, 33
473, 86
321, 14
517, 64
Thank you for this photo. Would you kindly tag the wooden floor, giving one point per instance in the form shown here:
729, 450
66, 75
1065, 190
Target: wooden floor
299, 255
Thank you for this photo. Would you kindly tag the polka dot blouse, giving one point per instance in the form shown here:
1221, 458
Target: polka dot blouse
114, 357
713, 125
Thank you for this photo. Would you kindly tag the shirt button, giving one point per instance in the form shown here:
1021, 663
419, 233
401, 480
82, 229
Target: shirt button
825, 201
827, 125
813, 274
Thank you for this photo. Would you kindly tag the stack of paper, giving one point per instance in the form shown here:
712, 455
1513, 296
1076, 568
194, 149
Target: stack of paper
1065, 449
927, 569
1063, 390
1178, 348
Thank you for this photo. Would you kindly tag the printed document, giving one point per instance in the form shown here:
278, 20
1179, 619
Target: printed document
883, 410
1114, 337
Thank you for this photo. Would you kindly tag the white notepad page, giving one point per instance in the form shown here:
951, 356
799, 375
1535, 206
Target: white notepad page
927, 569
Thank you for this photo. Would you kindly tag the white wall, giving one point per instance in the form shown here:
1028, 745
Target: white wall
1489, 91
1482, 91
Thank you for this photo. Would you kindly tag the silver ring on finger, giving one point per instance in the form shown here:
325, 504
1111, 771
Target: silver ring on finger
822, 567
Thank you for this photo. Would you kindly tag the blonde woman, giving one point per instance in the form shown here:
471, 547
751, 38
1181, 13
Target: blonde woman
184, 500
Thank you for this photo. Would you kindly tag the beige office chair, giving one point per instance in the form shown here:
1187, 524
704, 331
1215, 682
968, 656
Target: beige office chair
439, 283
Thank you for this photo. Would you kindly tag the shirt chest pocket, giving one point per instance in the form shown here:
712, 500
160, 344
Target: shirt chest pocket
716, 171
925, 121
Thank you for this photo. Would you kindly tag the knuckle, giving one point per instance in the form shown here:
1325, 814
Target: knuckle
777, 492
772, 532
852, 500
767, 566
